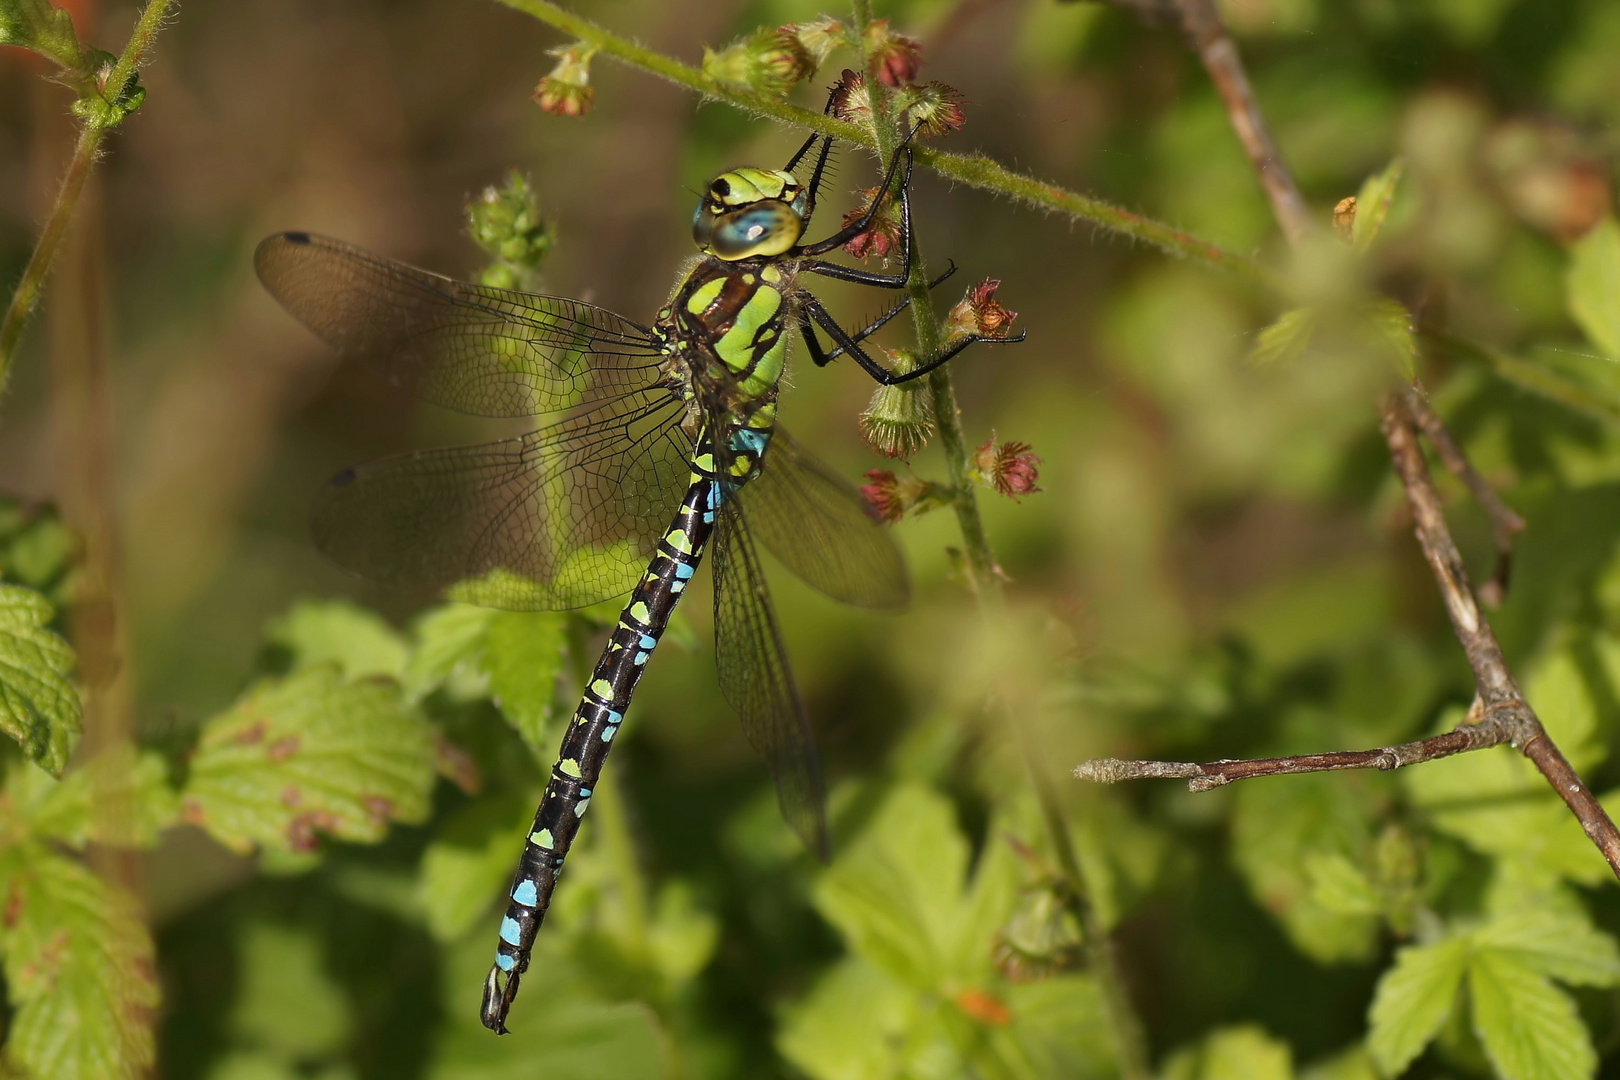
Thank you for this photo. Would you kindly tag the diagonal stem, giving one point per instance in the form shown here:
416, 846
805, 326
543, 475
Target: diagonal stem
975, 170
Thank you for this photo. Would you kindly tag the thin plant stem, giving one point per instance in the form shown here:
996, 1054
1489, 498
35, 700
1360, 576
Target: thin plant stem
26, 296
984, 575
974, 170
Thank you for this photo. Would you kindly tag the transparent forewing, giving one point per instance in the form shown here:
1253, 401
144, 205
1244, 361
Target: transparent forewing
472, 348
562, 517
756, 680
821, 529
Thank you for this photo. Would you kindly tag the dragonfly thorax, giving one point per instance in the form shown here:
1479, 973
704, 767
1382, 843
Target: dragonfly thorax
748, 213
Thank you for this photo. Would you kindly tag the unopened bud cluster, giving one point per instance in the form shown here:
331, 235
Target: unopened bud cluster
506, 223
899, 421
567, 90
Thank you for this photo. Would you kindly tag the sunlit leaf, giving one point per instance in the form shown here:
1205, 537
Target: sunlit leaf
42, 27
358, 641
469, 863
36, 549
1412, 1000
1593, 285
1372, 204
1238, 1053
1285, 340
448, 638
310, 754
1530, 1028
1559, 945
523, 654
1339, 886
79, 970
682, 935
856, 1021
38, 705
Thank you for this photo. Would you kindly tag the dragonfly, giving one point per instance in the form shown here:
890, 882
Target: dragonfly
633, 421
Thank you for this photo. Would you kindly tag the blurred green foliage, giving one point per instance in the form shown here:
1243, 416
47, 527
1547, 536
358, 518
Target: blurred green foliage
332, 784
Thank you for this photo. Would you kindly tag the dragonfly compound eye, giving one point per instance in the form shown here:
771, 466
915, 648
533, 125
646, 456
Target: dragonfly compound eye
767, 227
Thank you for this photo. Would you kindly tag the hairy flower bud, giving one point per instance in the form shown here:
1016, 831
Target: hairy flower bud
937, 107
567, 90
852, 98
768, 61
899, 421
979, 314
820, 38
893, 56
882, 236
1011, 467
506, 222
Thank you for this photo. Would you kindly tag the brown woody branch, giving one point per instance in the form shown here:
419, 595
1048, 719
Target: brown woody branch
1498, 715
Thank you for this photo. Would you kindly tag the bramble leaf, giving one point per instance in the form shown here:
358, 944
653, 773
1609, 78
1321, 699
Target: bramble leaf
358, 641
79, 969
469, 862
1557, 944
121, 798
38, 706
43, 28
449, 639
1530, 1028
1285, 340
1413, 999
1592, 285
285, 1001
1236, 1053
310, 754
523, 653
1372, 204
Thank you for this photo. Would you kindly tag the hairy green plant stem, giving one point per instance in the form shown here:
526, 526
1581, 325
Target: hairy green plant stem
984, 574
85, 150
975, 170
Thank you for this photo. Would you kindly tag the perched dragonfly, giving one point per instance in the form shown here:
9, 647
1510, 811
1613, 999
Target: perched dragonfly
636, 422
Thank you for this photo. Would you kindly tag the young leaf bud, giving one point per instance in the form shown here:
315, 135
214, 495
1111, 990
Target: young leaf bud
768, 61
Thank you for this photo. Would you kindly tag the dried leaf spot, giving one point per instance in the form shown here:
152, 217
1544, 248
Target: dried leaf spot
380, 808
253, 733
304, 829
283, 748
984, 1007
291, 795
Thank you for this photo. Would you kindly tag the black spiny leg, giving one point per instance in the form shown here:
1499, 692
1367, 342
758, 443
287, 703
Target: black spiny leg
847, 344
822, 358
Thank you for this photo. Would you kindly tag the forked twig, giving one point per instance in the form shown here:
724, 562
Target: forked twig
1498, 715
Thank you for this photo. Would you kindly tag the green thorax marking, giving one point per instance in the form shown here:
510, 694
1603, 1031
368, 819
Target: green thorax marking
728, 322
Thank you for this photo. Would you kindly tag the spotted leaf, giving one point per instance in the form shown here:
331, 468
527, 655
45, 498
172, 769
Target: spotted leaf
38, 706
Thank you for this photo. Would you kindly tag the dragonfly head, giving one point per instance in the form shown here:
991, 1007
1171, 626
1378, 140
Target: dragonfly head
749, 212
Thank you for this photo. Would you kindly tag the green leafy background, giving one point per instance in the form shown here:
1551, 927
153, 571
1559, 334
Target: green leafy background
331, 783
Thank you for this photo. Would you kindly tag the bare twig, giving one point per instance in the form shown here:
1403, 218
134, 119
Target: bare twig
1499, 714
1203, 25
1505, 524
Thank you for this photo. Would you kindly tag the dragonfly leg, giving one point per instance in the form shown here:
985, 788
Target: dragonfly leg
822, 358
847, 345
864, 222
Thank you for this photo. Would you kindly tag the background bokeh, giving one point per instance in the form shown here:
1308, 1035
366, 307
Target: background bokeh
1218, 563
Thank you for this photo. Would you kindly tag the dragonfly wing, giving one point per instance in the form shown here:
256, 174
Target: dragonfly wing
472, 348
756, 680
562, 517
811, 519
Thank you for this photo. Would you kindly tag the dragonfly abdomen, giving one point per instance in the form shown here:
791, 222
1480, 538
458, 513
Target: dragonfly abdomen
591, 731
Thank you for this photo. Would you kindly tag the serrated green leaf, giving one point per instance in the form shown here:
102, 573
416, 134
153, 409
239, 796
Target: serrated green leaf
1413, 1000
448, 638
1236, 1053
1059, 1028
1372, 204
285, 1002
523, 654
1285, 340
121, 798
1389, 335
894, 893
1339, 886
1558, 944
1592, 285
1557, 690
856, 1021
79, 969
1352, 1064
359, 642
1530, 1028
469, 862
682, 936
38, 705
47, 30
36, 549
310, 754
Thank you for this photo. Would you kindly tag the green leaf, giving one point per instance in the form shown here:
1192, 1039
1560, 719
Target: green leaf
1530, 1028
523, 654
79, 969
1592, 285
856, 1021
359, 642
1372, 204
1554, 943
1413, 1000
1351, 1064
36, 549
309, 754
449, 642
132, 789
47, 30
469, 863
1059, 1028
38, 706
1285, 340
1339, 886
1236, 1053
1557, 690
285, 1002
895, 892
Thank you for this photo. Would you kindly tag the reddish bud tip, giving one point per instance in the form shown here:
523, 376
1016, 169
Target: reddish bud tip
1012, 468
851, 98
567, 90
979, 314
882, 237
820, 38
892, 55
882, 495
938, 108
